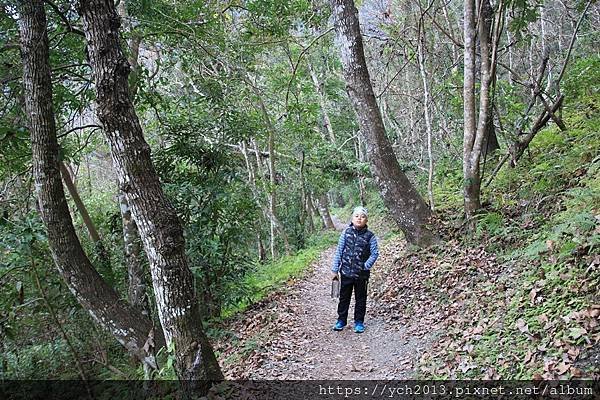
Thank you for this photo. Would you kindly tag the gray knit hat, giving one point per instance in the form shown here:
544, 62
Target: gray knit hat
360, 210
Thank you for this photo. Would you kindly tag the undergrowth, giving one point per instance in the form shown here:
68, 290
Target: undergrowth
541, 219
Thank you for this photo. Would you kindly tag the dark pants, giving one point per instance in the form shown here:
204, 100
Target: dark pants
360, 297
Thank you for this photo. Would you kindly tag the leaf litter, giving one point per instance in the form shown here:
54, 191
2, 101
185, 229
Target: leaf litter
446, 312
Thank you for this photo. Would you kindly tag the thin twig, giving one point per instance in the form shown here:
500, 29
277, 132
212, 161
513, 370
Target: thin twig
69, 26
295, 67
572, 43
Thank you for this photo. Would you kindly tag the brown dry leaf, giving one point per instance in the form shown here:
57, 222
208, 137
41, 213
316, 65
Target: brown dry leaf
549, 376
562, 368
564, 277
479, 329
532, 295
522, 325
573, 352
527, 357
576, 372
548, 365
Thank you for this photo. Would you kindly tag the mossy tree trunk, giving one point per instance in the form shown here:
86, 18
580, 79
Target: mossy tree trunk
158, 224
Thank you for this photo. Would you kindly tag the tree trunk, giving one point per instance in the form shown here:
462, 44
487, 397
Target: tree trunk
129, 327
138, 285
272, 192
158, 224
254, 188
475, 128
134, 42
470, 175
426, 111
314, 211
304, 215
133, 250
455, 48
360, 155
323, 204
322, 102
309, 212
262, 253
404, 202
511, 73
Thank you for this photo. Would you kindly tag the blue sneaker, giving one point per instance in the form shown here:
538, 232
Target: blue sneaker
359, 327
339, 325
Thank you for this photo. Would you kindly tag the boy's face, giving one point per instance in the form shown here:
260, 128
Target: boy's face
359, 220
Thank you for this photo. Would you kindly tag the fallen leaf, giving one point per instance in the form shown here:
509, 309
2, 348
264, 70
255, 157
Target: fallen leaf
576, 333
542, 348
548, 365
573, 352
542, 319
576, 372
562, 368
522, 325
465, 367
532, 295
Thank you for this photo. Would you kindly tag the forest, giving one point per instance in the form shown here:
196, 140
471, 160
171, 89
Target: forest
175, 176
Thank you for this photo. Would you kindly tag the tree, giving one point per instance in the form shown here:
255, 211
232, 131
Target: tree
157, 221
407, 207
477, 126
132, 249
128, 326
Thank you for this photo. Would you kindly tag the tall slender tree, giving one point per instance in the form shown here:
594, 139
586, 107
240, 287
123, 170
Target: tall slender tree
131, 238
478, 28
159, 226
407, 207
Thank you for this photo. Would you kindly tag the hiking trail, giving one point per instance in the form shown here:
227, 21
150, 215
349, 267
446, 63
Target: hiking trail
289, 336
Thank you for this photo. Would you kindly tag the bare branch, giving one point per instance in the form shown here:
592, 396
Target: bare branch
295, 67
78, 128
572, 43
63, 17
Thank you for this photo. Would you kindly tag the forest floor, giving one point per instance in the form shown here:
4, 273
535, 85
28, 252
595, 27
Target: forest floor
289, 335
453, 312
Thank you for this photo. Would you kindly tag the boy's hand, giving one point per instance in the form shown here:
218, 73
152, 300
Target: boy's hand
334, 276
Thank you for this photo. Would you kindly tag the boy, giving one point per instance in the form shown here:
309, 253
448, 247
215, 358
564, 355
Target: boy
355, 255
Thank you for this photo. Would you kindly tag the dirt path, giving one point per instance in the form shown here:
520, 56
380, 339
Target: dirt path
290, 336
